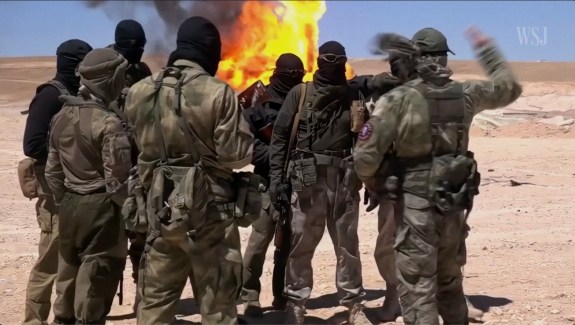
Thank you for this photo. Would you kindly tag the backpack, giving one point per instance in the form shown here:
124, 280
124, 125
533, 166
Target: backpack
30, 173
454, 177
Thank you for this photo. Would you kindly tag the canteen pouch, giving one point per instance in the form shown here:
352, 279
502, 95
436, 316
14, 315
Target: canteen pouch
27, 178
248, 204
177, 203
134, 207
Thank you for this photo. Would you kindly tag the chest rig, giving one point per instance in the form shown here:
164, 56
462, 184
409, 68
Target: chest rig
446, 106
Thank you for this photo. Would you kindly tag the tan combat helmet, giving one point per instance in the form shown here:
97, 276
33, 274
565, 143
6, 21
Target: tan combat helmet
430, 40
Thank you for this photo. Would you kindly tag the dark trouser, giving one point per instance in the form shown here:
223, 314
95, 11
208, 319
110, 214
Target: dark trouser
428, 253
327, 201
254, 257
92, 256
43, 273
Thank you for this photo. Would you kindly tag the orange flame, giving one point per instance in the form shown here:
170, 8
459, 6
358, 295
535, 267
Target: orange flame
264, 31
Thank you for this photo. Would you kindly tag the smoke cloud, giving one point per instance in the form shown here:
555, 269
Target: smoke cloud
171, 13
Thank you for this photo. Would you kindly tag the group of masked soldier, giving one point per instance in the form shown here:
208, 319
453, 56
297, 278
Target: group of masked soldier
314, 146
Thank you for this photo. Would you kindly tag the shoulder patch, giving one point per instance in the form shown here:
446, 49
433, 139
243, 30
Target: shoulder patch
365, 132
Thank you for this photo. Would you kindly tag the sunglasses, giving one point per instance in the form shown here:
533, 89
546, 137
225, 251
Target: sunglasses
291, 73
332, 58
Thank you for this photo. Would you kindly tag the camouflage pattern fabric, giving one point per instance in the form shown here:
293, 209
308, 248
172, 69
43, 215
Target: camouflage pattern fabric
325, 203
215, 269
210, 108
428, 243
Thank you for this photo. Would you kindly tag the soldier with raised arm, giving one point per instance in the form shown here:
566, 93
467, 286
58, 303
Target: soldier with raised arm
415, 146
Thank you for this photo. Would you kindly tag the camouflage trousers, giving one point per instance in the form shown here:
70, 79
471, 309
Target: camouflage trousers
384, 253
214, 268
43, 273
93, 250
327, 201
428, 255
263, 231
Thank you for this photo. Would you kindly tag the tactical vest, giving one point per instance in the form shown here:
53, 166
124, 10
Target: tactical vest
453, 178
30, 171
312, 134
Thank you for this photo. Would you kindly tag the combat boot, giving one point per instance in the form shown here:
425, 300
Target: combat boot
473, 313
63, 321
253, 309
279, 303
391, 308
295, 314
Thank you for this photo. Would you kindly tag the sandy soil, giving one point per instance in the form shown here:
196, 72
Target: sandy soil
521, 267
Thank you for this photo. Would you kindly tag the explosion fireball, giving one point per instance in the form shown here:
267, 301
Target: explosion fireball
263, 32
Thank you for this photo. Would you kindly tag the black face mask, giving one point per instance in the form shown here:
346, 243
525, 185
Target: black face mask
68, 56
132, 55
331, 70
199, 41
282, 81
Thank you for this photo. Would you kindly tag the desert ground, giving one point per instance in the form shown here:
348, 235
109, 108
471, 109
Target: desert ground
521, 254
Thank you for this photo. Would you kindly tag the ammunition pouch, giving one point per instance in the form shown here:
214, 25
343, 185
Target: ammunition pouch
134, 207
248, 204
303, 173
177, 203
454, 181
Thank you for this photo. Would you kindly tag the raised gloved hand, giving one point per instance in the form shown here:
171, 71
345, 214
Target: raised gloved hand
372, 199
476, 37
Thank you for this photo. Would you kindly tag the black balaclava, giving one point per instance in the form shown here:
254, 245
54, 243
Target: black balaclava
68, 56
331, 73
288, 73
199, 41
130, 40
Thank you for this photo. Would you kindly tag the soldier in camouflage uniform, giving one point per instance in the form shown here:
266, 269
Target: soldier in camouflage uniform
209, 109
325, 187
130, 40
415, 130
289, 71
88, 165
42, 109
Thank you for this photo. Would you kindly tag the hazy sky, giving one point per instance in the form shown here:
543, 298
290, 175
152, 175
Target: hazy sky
526, 30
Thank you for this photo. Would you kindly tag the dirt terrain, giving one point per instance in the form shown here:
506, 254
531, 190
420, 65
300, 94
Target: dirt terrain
521, 254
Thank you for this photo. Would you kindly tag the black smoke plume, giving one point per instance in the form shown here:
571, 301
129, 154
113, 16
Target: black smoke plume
223, 14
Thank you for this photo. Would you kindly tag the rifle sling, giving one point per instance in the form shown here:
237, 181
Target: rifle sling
295, 125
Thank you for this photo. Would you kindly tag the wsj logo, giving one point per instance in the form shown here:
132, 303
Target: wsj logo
532, 36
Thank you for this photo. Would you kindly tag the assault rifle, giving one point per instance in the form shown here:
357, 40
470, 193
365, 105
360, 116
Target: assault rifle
251, 95
284, 189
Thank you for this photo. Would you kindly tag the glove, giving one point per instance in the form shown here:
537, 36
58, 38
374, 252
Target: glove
384, 80
372, 199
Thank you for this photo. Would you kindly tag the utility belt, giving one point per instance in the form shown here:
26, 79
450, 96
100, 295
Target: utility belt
302, 168
100, 190
449, 181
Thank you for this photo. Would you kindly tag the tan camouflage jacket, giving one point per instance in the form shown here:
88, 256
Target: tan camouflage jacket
71, 167
401, 116
210, 108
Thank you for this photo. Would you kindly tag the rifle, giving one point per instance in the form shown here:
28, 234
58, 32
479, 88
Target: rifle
251, 95
284, 189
